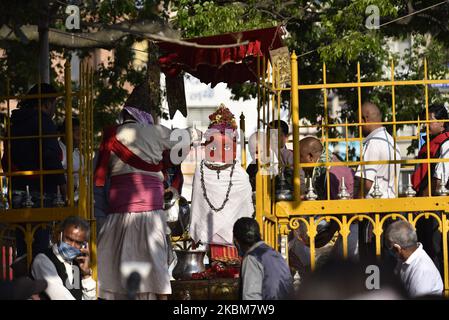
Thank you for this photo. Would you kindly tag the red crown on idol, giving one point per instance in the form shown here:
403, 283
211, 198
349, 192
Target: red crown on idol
222, 119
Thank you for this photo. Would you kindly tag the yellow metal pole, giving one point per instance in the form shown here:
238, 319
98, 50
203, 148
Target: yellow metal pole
69, 132
242, 140
344, 232
393, 105
346, 139
312, 233
426, 94
377, 232
295, 122
359, 101
326, 135
273, 97
259, 180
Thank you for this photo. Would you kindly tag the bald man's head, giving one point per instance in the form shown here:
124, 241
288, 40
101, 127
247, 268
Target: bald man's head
370, 113
310, 149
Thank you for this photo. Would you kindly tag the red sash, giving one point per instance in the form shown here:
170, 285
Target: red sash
110, 144
419, 177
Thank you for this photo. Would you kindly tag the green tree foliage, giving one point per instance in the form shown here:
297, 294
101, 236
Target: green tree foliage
19, 63
334, 32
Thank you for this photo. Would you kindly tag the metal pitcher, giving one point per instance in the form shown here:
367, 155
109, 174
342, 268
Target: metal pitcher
189, 262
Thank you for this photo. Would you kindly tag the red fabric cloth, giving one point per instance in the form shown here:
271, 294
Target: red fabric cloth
419, 177
110, 144
213, 65
135, 192
224, 253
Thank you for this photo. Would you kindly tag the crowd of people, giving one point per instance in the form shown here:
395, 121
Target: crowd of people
139, 160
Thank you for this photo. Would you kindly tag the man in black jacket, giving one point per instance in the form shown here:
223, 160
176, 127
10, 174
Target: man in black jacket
25, 155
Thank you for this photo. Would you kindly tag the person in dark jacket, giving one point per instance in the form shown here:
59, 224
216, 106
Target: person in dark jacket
265, 274
25, 156
25, 152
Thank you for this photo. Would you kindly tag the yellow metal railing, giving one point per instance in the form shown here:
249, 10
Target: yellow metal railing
278, 219
28, 220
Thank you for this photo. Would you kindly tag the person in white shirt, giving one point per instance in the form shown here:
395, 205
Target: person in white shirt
416, 270
66, 265
378, 145
76, 153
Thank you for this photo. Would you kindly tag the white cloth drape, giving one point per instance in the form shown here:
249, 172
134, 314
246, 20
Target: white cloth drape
216, 227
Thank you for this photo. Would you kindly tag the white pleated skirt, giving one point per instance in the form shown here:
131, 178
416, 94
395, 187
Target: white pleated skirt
130, 242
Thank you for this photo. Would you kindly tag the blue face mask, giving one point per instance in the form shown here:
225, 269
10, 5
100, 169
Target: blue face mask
67, 251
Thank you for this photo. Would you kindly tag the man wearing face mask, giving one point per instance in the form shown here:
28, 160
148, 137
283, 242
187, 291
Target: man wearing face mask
66, 265
221, 188
416, 270
265, 274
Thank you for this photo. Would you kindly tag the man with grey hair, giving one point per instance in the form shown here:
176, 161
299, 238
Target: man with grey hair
66, 264
416, 270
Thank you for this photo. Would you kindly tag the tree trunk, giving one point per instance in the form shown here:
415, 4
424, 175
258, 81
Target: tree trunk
44, 48
154, 81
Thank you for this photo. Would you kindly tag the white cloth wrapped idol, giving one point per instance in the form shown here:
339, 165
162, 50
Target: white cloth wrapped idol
211, 226
221, 189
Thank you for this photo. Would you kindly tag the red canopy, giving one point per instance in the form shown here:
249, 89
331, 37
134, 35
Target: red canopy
228, 64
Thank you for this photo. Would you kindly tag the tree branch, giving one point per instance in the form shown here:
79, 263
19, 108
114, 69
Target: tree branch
105, 38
